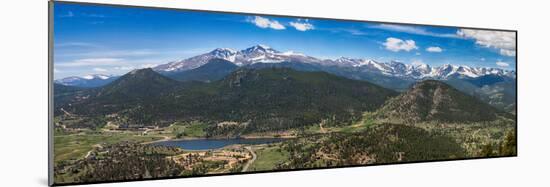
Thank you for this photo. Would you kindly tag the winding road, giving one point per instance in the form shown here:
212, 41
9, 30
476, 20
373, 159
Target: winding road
66, 113
245, 168
93, 147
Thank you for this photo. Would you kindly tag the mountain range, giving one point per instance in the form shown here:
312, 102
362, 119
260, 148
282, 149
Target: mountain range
264, 100
491, 85
265, 54
261, 99
88, 81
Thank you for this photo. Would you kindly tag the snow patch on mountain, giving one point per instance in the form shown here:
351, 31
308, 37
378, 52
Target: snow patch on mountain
86, 81
265, 54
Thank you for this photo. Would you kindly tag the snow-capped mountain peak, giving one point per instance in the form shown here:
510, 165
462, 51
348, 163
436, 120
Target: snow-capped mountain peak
422, 66
262, 49
467, 71
228, 50
381, 67
224, 53
345, 61
87, 80
255, 54
265, 54
421, 70
96, 76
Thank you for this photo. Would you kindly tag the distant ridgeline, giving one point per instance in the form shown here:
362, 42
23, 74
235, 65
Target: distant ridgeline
289, 94
493, 86
263, 99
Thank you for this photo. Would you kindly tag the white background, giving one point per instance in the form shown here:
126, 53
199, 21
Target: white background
23, 95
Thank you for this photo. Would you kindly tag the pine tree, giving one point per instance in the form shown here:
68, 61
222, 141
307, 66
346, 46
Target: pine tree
487, 150
509, 144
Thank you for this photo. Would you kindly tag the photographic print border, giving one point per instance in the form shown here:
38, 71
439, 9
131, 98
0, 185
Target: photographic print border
51, 81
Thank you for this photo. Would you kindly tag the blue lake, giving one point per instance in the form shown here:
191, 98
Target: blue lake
205, 144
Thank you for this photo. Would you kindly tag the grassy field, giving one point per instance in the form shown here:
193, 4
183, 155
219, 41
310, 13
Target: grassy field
314, 129
69, 146
191, 129
268, 158
359, 126
74, 146
365, 123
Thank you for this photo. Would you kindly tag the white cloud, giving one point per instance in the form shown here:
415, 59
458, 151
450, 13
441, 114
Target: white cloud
302, 26
91, 62
396, 44
507, 52
266, 23
413, 30
418, 54
100, 70
434, 49
502, 64
505, 42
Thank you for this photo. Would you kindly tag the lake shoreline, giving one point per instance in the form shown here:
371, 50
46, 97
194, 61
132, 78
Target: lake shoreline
197, 144
246, 137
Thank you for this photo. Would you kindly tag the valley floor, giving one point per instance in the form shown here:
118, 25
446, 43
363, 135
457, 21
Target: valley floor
84, 155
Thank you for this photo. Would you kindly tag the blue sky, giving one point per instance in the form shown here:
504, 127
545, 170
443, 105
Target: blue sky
93, 39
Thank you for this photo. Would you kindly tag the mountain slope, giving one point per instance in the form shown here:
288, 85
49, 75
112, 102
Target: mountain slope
436, 101
131, 92
385, 143
63, 94
488, 80
136, 86
214, 70
497, 91
292, 65
139, 84
395, 83
501, 95
259, 99
280, 98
